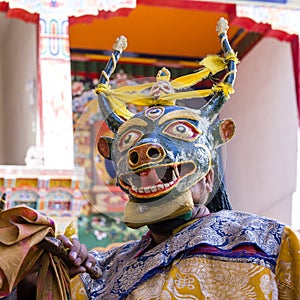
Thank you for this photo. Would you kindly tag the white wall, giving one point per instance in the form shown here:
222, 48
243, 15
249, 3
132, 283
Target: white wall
3, 27
296, 197
261, 160
19, 66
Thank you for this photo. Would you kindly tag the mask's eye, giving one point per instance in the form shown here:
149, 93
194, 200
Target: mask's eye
128, 139
182, 130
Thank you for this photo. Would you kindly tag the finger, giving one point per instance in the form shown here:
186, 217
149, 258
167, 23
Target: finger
75, 252
66, 241
82, 255
90, 262
76, 270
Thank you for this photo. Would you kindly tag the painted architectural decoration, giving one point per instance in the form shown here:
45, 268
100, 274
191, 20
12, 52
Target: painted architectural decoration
282, 19
99, 180
47, 191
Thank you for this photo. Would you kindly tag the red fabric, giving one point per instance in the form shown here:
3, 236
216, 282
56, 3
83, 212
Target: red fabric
23, 15
18, 13
34, 17
3, 6
191, 4
122, 12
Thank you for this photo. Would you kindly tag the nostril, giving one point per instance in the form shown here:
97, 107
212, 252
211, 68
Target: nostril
134, 157
153, 153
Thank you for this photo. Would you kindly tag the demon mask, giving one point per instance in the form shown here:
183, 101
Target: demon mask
161, 152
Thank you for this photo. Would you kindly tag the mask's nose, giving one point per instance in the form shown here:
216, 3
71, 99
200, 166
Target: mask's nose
145, 154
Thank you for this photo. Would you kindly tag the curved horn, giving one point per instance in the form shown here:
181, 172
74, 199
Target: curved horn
112, 120
213, 107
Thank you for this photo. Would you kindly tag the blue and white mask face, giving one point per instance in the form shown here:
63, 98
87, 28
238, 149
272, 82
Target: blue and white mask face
161, 152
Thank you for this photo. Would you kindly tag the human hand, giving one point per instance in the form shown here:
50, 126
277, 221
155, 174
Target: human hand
73, 253
78, 258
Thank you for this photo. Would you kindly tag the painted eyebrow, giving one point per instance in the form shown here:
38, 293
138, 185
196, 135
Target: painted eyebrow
178, 114
130, 123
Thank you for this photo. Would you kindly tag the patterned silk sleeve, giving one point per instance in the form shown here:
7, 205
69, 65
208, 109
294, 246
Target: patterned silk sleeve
78, 291
288, 266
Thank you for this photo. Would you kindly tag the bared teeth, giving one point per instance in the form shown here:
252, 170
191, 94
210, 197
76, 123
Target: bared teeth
176, 171
141, 191
174, 177
152, 189
160, 187
147, 189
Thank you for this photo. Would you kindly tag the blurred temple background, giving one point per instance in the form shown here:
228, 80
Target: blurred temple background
51, 56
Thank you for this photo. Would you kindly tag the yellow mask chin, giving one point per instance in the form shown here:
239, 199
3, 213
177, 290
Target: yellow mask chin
146, 213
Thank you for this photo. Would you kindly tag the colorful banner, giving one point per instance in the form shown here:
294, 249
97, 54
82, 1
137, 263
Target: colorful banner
70, 8
287, 20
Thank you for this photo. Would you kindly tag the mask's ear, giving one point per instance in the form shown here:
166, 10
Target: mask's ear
104, 146
223, 131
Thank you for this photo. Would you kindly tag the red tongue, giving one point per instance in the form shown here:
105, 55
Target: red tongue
149, 178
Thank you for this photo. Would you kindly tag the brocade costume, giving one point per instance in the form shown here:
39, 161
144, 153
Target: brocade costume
224, 255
